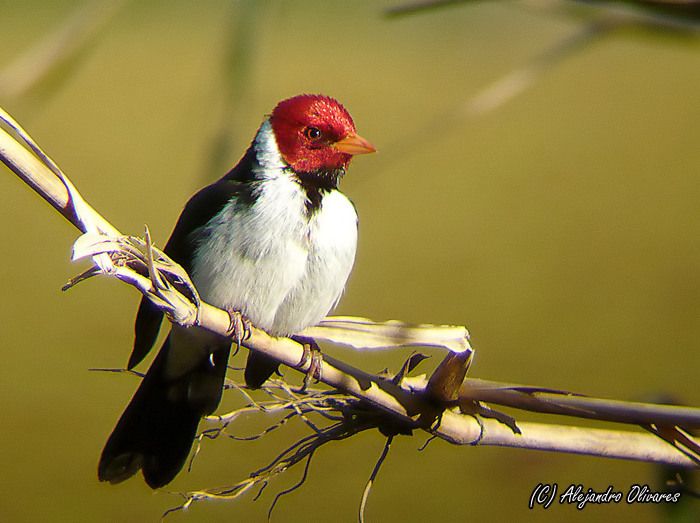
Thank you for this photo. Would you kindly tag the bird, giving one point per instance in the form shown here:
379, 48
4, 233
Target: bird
273, 240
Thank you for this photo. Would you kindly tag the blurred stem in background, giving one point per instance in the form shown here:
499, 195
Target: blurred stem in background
668, 17
47, 65
237, 82
50, 63
678, 14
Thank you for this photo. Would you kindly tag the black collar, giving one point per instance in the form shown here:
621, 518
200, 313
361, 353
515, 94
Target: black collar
316, 184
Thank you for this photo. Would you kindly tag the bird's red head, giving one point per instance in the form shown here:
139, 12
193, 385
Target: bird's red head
316, 133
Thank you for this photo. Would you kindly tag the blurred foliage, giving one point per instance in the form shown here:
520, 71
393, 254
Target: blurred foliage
662, 12
562, 229
245, 20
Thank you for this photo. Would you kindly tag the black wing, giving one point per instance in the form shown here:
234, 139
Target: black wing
201, 208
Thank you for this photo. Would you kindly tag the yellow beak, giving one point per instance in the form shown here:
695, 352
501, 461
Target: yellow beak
354, 144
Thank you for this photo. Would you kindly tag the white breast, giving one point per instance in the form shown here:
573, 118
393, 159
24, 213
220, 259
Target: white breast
283, 271
332, 234
250, 258
280, 268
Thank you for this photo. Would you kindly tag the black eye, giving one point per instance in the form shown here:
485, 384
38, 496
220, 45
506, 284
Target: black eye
312, 133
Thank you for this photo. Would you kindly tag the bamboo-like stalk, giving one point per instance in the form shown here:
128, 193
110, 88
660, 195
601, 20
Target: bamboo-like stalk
409, 405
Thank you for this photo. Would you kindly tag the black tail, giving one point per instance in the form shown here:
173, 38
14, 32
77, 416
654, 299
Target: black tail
156, 431
258, 369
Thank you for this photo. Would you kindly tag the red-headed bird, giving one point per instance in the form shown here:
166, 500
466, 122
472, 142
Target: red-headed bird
273, 239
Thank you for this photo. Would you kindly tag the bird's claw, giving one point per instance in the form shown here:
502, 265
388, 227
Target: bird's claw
312, 352
239, 327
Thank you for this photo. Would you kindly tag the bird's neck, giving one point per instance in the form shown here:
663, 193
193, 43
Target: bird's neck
263, 162
270, 163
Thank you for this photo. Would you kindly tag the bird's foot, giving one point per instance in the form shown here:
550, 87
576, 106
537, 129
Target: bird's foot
314, 358
239, 327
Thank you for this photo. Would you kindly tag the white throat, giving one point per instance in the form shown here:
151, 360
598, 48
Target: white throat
267, 153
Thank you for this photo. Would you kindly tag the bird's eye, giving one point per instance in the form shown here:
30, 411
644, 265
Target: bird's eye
312, 133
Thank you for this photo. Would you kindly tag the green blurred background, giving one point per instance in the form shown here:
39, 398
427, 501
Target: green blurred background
562, 228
